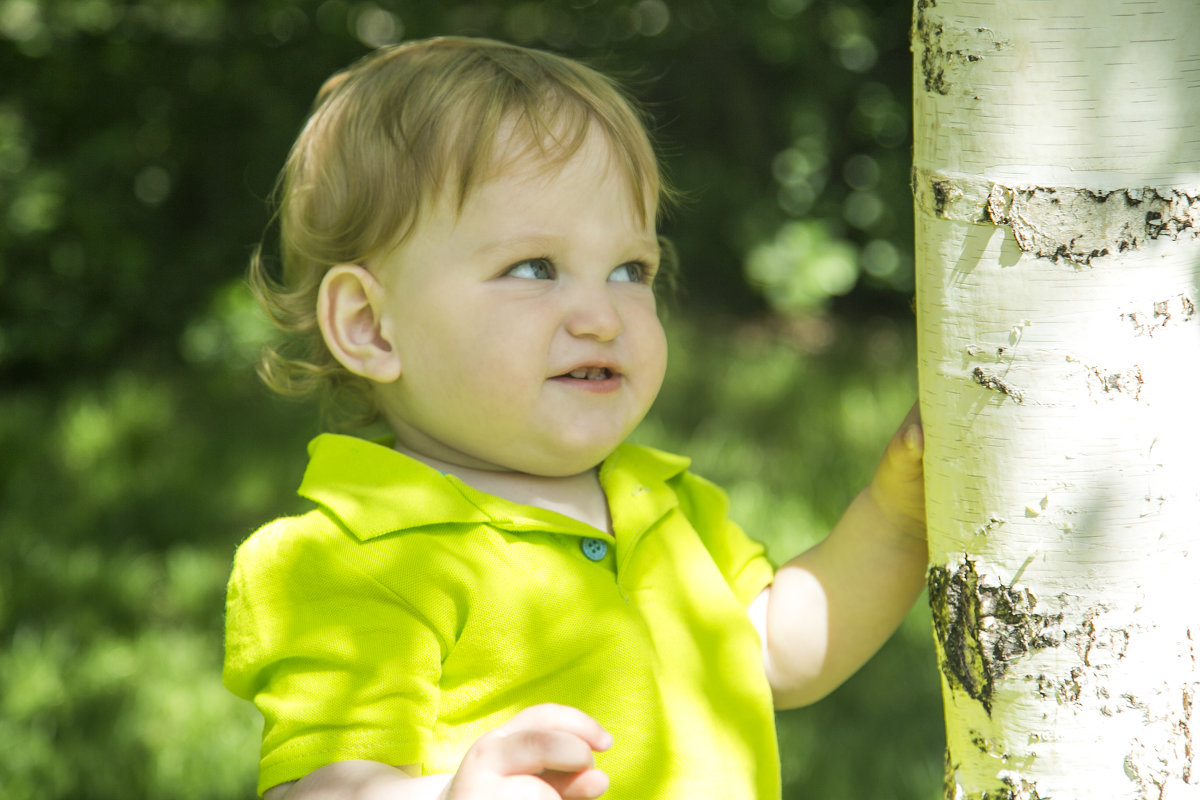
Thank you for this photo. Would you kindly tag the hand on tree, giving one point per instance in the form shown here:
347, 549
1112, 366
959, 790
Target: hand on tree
543, 753
898, 487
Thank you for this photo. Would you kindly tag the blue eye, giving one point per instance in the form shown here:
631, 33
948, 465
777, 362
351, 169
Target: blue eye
533, 268
633, 272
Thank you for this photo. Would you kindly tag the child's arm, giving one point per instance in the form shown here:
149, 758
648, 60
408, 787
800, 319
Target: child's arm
544, 751
830, 608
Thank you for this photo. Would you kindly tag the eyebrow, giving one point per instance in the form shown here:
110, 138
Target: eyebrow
541, 242
528, 241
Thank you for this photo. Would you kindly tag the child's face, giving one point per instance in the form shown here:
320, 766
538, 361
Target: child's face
525, 325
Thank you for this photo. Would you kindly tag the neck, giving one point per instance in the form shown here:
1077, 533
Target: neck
577, 496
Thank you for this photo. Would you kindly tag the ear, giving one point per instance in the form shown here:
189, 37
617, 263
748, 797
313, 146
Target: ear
350, 313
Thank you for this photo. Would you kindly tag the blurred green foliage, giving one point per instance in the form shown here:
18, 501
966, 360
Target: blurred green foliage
138, 142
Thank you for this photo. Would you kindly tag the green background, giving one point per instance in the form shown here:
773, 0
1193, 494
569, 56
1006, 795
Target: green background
138, 144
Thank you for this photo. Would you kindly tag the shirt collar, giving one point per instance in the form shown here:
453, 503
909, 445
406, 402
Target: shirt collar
373, 490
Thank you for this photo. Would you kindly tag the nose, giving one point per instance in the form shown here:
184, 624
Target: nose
592, 312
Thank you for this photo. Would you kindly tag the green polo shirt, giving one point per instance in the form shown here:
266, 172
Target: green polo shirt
408, 614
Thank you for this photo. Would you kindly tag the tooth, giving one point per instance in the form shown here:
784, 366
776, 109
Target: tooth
591, 373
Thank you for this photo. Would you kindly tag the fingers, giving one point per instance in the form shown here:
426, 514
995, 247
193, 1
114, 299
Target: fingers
578, 786
531, 752
549, 786
914, 415
902, 460
544, 751
903, 457
551, 716
898, 486
911, 432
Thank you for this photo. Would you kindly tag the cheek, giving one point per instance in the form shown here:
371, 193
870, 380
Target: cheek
497, 349
652, 347
661, 360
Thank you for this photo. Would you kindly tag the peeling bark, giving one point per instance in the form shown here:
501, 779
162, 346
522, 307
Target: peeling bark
1128, 382
1181, 308
1075, 225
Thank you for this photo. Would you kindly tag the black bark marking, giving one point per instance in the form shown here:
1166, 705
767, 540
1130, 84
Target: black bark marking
941, 196
929, 35
997, 384
981, 629
938, 59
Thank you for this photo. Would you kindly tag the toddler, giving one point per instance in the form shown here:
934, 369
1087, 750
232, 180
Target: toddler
504, 599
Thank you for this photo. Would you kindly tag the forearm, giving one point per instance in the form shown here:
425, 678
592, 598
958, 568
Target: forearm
832, 607
360, 780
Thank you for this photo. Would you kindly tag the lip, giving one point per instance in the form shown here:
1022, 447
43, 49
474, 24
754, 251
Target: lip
596, 386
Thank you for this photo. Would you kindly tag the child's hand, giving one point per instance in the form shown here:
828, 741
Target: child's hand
898, 487
543, 753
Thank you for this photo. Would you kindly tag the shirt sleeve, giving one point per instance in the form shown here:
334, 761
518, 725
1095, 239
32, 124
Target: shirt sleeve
340, 666
741, 560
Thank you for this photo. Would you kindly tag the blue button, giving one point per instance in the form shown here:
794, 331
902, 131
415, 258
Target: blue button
595, 549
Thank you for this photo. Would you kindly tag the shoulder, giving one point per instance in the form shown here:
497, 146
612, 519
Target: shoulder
297, 576
287, 556
287, 538
320, 544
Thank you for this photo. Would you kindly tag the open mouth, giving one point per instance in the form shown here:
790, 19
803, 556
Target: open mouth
590, 374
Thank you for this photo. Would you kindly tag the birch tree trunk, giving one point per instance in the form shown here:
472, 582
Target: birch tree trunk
1057, 192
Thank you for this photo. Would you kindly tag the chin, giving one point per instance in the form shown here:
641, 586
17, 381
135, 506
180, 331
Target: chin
567, 469
567, 464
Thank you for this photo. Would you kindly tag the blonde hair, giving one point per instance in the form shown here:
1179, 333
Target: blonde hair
387, 136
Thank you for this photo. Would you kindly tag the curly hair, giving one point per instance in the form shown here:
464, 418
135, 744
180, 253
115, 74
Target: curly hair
390, 134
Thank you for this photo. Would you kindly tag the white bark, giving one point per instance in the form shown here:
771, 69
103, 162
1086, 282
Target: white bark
1057, 186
